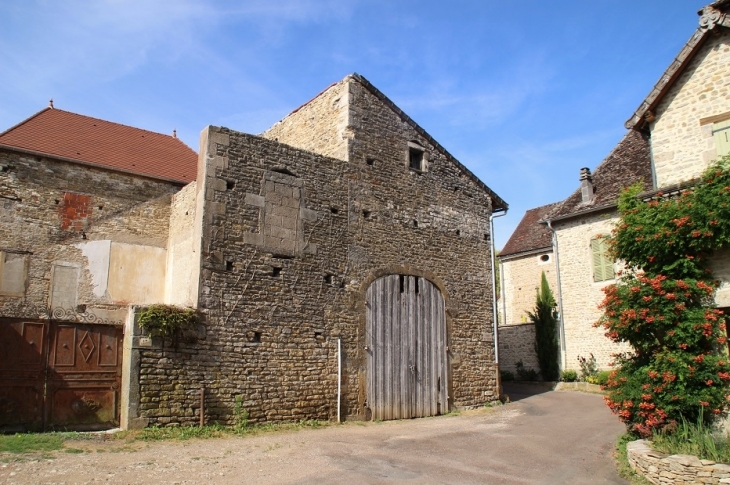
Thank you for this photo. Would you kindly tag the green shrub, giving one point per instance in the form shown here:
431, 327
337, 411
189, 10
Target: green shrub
664, 307
569, 376
588, 367
525, 374
167, 321
600, 378
506, 376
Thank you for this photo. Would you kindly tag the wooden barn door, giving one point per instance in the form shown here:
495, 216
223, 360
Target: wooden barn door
406, 345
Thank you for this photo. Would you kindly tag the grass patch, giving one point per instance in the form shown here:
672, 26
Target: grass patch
624, 469
693, 439
242, 428
27, 443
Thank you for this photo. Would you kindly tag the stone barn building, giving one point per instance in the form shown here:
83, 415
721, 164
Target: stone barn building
343, 257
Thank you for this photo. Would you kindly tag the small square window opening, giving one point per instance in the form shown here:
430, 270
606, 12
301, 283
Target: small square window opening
415, 159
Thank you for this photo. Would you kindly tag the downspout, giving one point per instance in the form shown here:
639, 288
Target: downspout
561, 326
494, 298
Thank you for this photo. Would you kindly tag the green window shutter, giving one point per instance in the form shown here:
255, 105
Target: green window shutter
602, 264
721, 135
596, 254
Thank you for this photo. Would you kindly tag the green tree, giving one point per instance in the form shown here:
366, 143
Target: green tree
546, 333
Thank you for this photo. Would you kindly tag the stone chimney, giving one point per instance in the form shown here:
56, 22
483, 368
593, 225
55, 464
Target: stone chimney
586, 185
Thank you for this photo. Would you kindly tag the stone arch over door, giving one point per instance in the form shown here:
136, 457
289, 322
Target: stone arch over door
406, 345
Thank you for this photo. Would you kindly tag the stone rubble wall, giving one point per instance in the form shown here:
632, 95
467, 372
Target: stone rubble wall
522, 276
517, 342
319, 126
660, 468
52, 211
291, 242
681, 146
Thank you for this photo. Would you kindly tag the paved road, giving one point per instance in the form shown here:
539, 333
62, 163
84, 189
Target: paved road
547, 438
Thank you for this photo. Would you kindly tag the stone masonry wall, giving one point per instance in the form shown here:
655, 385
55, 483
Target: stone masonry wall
51, 211
681, 146
581, 294
319, 126
522, 276
292, 240
660, 468
517, 343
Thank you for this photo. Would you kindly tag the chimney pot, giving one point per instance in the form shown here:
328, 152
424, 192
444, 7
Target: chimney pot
586, 185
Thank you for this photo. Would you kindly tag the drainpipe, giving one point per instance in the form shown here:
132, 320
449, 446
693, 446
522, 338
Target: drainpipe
339, 379
561, 325
494, 298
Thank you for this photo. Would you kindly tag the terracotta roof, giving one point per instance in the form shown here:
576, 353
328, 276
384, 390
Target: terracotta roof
629, 162
530, 235
711, 16
77, 138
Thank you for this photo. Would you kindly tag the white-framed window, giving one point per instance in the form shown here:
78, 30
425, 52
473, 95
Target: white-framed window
602, 263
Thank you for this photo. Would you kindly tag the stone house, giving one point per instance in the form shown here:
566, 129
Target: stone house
341, 263
681, 126
526, 255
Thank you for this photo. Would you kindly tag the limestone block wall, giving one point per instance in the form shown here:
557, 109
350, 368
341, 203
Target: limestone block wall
681, 137
183, 249
52, 212
660, 468
288, 253
719, 264
521, 277
319, 126
581, 295
517, 343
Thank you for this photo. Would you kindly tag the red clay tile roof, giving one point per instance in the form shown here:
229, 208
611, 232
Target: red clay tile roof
629, 162
530, 235
77, 138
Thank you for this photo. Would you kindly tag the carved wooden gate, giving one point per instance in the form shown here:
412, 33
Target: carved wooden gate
59, 375
407, 362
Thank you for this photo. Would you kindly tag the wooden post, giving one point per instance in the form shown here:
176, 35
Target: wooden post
202, 406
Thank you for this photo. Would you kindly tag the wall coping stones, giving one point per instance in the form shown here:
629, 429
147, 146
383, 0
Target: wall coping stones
660, 468
579, 386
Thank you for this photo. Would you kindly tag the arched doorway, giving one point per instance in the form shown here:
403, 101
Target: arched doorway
407, 363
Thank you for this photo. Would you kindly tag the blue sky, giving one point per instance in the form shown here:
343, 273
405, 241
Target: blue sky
524, 94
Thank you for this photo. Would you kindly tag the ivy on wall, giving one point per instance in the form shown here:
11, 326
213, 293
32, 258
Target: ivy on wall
663, 305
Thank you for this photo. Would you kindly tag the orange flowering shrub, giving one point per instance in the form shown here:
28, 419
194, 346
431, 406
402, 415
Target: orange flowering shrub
663, 307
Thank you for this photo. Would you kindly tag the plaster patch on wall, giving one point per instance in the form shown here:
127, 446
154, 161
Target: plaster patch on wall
97, 257
64, 285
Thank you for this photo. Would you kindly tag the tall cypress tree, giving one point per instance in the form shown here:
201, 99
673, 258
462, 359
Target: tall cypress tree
546, 332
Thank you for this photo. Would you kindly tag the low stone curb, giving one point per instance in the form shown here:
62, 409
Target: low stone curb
660, 468
579, 386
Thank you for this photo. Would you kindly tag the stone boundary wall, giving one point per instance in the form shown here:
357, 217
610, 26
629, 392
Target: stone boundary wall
660, 468
517, 342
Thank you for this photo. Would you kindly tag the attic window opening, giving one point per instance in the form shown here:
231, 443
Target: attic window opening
415, 159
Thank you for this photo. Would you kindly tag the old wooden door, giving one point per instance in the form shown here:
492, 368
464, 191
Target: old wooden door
59, 375
407, 363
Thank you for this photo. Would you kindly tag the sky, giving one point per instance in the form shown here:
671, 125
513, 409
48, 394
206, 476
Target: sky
524, 94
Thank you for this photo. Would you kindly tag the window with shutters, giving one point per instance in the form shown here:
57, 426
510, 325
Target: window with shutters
721, 135
602, 263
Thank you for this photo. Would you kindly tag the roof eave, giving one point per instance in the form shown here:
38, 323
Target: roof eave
599, 208
528, 252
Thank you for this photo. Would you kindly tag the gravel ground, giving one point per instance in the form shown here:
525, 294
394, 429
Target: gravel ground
552, 437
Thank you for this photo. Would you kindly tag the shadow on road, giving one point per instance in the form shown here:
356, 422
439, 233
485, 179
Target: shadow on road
517, 391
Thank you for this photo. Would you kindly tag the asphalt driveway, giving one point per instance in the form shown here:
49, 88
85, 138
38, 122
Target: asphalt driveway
543, 438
